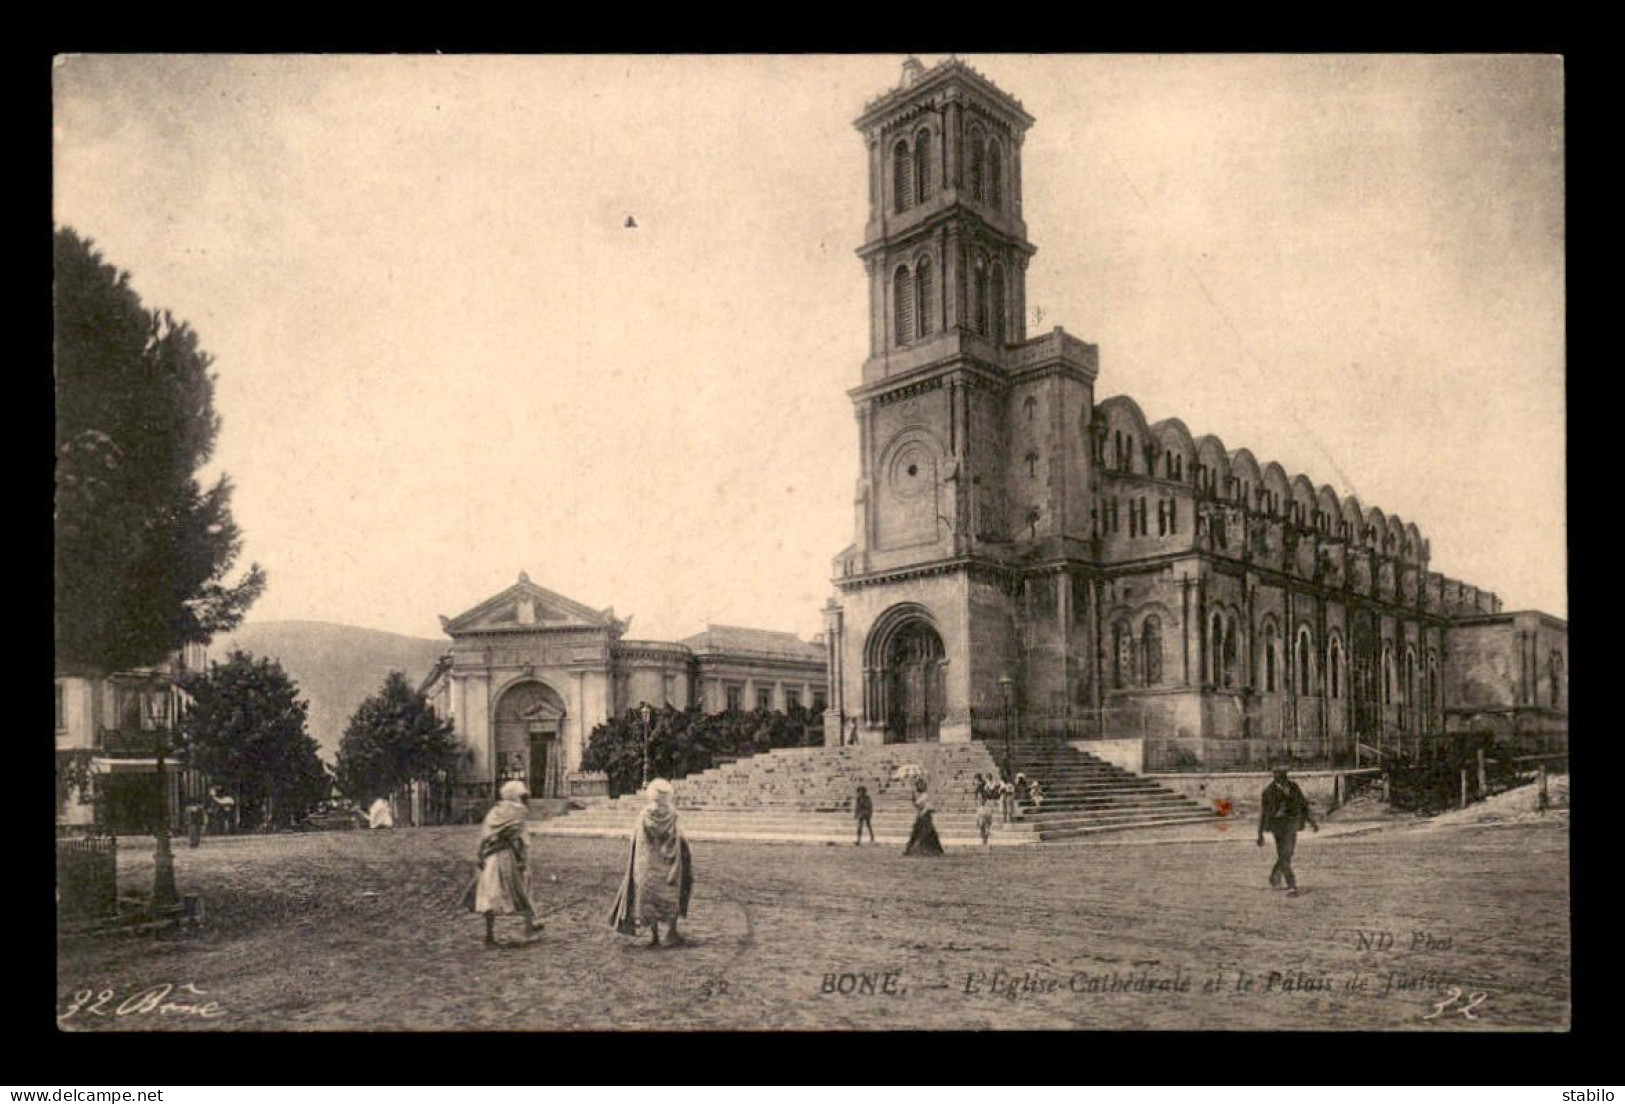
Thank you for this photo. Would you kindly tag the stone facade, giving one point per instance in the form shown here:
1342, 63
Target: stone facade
530, 673
1025, 550
115, 722
1508, 675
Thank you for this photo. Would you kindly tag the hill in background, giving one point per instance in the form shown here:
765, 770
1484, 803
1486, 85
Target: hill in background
335, 666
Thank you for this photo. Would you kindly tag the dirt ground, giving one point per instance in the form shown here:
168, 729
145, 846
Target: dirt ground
1438, 927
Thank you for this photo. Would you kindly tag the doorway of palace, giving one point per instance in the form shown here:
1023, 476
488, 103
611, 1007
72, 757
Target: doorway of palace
529, 718
914, 677
543, 749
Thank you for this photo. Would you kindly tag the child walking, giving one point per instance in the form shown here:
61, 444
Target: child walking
863, 811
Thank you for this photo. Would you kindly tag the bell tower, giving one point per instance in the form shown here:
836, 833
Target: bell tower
945, 246
974, 463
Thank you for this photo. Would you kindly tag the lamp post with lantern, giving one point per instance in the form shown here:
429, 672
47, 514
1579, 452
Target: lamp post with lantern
647, 713
158, 704
1007, 691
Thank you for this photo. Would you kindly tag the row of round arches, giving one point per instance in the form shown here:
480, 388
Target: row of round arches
1124, 442
917, 168
1407, 678
914, 291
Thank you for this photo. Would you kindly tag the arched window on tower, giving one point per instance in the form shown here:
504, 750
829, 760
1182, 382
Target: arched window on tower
902, 178
922, 166
1215, 648
1230, 650
995, 307
924, 290
981, 295
1334, 670
1305, 663
1151, 651
1387, 674
995, 175
977, 169
903, 305
1122, 655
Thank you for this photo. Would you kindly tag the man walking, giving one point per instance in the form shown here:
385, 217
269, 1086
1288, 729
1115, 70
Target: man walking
863, 811
1283, 810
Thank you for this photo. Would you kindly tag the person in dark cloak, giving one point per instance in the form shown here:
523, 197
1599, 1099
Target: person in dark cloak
923, 840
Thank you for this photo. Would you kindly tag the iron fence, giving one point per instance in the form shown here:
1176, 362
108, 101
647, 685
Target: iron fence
86, 879
1238, 754
1166, 745
1075, 724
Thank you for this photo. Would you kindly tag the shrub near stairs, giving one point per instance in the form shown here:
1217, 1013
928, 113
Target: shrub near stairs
684, 742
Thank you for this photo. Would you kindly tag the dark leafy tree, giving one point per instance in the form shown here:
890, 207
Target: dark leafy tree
245, 729
394, 738
143, 550
75, 770
687, 741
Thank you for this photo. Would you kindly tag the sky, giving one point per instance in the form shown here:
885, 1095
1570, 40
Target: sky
443, 357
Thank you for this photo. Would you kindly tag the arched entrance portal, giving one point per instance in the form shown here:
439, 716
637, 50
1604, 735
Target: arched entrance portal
529, 720
906, 690
914, 668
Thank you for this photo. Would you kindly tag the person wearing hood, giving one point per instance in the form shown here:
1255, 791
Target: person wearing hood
659, 876
502, 885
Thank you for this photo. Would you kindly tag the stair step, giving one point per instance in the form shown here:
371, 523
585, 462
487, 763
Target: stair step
806, 794
1088, 830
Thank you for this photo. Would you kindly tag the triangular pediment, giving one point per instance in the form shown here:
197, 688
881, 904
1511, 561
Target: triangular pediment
526, 607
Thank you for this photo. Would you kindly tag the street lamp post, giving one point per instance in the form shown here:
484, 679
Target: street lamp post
165, 895
646, 712
1007, 690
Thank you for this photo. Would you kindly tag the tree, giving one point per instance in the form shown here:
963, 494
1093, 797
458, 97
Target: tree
687, 741
392, 739
245, 729
143, 551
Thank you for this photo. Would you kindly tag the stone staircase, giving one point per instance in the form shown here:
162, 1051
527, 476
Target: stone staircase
805, 795
1084, 795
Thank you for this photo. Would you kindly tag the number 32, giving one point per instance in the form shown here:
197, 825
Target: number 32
1473, 1001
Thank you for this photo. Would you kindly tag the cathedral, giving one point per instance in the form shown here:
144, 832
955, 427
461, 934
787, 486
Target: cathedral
1006, 570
